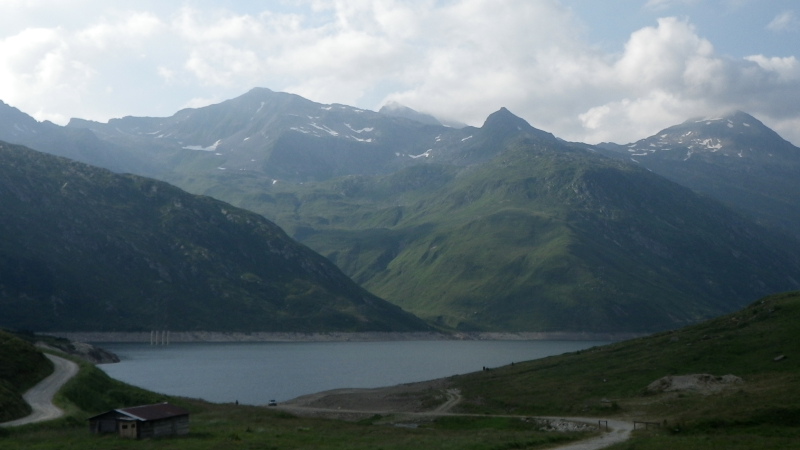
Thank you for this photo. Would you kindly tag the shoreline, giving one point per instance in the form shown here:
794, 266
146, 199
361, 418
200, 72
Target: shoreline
170, 337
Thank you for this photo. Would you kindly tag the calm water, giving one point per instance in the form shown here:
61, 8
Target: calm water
254, 373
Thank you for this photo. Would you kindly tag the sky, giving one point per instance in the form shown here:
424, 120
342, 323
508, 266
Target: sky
585, 70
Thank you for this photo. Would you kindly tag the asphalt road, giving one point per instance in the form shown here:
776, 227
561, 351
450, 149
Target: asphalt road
40, 397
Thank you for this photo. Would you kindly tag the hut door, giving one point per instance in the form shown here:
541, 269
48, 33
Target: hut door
127, 430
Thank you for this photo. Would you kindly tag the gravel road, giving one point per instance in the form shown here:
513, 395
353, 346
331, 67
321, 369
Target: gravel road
403, 400
619, 431
40, 397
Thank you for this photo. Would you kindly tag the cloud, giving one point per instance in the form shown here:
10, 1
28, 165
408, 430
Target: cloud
668, 73
785, 21
34, 63
460, 59
661, 5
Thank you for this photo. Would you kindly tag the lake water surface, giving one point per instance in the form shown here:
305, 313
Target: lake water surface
254, 373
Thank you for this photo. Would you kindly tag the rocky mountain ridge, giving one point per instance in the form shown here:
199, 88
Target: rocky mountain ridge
502, 227
734, 158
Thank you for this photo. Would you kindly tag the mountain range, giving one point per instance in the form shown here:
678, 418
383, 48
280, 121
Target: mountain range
501, 227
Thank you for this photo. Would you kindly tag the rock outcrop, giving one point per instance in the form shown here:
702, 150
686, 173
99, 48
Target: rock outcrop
700, 382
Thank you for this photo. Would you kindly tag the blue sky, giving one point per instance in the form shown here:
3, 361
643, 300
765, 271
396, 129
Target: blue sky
585, 70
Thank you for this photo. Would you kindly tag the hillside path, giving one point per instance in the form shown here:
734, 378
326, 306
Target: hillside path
619, 430
40, 397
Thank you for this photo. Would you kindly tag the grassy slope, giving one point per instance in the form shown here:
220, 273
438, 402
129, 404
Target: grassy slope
539, 238
764, 412
21, 365
156, 257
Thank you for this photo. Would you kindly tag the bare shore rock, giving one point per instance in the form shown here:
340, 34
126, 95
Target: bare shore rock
702, 383
82, 350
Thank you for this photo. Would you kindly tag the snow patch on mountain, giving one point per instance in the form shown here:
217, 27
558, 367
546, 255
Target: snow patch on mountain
210, 148
360, 139
362, 130
324, 128
427, 154
711, 144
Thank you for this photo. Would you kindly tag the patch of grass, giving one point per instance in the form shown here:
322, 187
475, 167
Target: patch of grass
741, 439
247, 427
480, 423
93, 391
21, 367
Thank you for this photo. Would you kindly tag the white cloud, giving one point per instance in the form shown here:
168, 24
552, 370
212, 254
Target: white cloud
460, 59
786, 69
132, 28
668, 73
661, 5
34, 63
785, 21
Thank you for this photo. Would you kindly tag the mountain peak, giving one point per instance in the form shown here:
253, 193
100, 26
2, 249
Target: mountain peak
395, 109
504, 121
734, 134
729, 120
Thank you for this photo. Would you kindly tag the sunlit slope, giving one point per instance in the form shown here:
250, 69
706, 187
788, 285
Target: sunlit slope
541, 238
758, 344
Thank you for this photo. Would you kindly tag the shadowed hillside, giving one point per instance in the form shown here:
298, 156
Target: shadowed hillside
86, 249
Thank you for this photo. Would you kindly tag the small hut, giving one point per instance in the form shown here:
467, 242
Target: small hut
141, 422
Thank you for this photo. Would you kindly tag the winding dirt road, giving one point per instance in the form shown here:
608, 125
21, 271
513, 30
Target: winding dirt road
352, 404
619, 431
40, 397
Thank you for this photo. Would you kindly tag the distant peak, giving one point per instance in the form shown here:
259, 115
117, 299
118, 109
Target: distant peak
260, 90
503, 115
504, 121
395, 109
731, 116
392, 105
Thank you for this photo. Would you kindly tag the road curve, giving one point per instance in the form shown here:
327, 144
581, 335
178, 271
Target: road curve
619, 431
40, 397
616, 431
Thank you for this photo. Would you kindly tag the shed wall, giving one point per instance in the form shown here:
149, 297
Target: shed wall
166, 427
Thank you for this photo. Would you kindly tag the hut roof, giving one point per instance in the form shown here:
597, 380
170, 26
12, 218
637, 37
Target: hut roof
150, 412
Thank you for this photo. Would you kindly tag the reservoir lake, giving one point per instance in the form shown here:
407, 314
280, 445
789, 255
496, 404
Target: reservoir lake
255, 373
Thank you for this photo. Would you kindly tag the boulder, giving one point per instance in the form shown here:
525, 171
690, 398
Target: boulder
700, 382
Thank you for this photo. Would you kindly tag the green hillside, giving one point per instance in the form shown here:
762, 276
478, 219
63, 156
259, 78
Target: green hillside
758, 344
86, 249
541, 237
503, 227
21, 366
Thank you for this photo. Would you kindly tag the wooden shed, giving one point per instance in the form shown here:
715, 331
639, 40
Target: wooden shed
142, 422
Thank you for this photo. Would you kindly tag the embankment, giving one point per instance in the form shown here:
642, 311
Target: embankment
164, 337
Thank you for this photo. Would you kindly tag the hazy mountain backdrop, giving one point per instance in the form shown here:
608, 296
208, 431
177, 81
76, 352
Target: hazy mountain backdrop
502, 227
